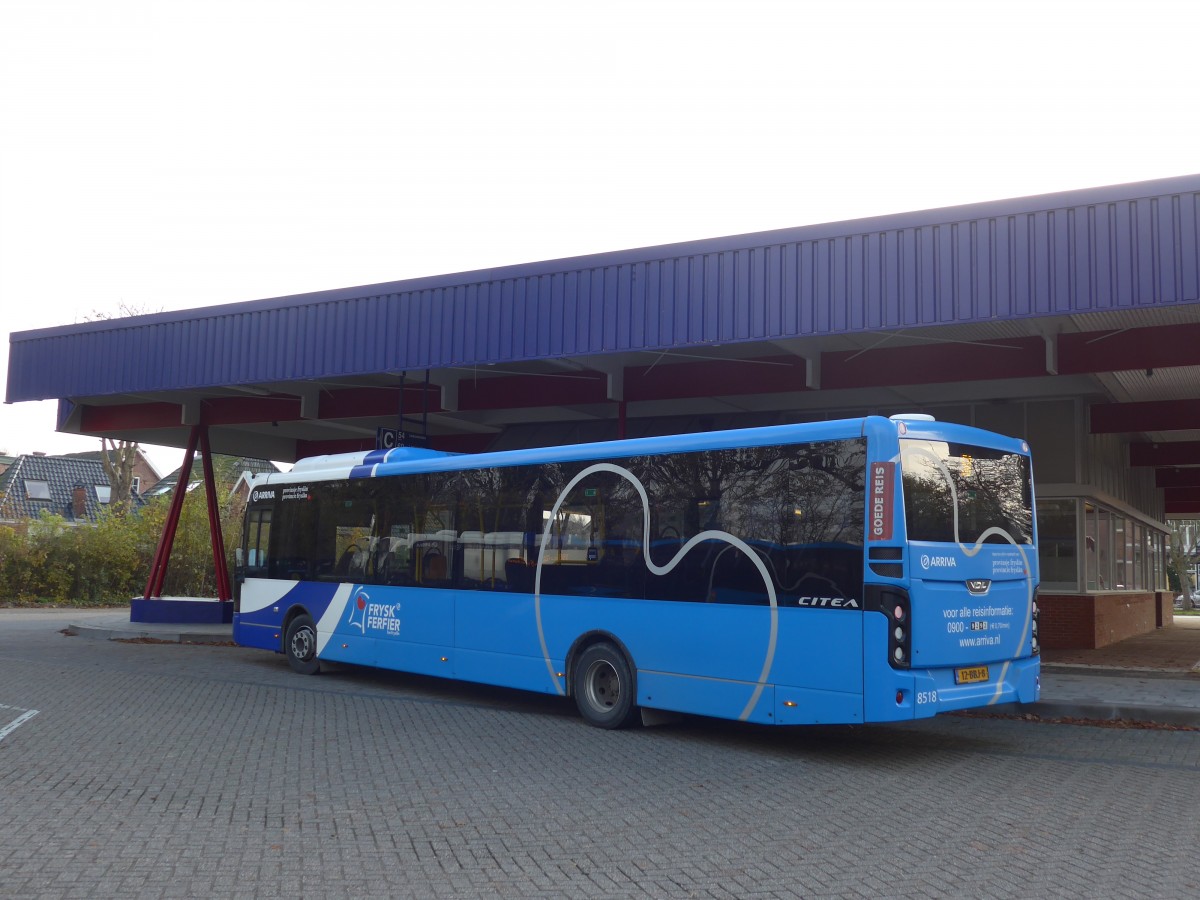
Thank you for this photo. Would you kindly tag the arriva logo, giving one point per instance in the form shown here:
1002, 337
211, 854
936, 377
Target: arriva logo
938, 562
262, 495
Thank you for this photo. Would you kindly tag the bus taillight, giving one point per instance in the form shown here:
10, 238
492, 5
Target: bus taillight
893, 602
900, 643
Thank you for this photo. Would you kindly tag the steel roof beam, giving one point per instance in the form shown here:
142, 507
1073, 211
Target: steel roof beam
1188, 476
1152, 347
1172, 453
716, 378
1023, 357
1152, 415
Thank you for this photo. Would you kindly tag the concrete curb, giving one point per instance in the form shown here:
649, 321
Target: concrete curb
131, 631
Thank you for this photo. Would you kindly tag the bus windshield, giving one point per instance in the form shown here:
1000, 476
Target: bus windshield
953, 493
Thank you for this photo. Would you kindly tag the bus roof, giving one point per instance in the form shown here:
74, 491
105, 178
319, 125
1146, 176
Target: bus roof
412, 460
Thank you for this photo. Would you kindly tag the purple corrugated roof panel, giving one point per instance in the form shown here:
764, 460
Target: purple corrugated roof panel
1122, 247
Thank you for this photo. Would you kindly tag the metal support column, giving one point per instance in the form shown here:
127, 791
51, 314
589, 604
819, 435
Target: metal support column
158, 571
214, 520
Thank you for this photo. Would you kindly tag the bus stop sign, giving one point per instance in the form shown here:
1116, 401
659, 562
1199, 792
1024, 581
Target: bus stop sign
391, 438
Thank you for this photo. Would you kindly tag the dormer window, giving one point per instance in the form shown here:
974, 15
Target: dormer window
37, 490
104, 493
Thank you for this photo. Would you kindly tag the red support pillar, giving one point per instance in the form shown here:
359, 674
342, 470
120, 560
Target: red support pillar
621, 420
158, 571
214, 520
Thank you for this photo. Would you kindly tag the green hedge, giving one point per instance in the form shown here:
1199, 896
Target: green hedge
48, 561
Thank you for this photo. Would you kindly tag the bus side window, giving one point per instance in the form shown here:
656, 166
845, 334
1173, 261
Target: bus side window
258, 538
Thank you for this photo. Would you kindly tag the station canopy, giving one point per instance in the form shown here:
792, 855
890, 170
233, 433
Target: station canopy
1089, 294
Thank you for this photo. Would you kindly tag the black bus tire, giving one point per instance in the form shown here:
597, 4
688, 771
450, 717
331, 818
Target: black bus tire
300, 646
602, 683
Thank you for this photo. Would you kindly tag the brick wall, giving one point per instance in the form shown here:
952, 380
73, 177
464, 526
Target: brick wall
1085, 622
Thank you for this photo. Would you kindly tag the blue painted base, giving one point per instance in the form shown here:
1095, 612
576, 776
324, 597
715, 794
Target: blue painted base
181, 610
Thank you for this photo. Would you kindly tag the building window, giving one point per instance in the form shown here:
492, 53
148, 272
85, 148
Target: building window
1122, 580
1137, 546
37, 490
137, 485
1057, 543
1120, 553
1104, 557
1091, 548
1158, 572
104, 493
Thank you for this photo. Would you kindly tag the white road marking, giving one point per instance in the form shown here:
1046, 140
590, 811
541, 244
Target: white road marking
26, 715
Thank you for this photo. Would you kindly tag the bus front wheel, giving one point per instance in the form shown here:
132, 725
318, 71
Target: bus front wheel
300, 645
603, 687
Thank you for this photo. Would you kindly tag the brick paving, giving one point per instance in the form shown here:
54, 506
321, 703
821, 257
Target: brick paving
166, 770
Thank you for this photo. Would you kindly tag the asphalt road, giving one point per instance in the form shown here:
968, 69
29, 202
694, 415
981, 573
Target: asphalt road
166, 770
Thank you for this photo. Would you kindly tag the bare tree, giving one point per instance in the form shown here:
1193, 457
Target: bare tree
119, 458
1181, 552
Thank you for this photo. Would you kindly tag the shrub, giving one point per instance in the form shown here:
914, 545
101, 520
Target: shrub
49, 561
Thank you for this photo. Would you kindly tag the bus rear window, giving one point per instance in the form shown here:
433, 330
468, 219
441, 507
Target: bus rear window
953, 493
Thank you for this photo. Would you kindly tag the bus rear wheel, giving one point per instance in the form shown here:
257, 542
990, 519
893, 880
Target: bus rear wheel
300, 645
603, 687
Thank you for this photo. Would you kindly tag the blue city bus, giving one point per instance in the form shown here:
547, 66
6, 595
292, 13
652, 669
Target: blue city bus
850, 571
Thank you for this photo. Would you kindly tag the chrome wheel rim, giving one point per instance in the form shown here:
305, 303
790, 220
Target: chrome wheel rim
602, 685
303, 644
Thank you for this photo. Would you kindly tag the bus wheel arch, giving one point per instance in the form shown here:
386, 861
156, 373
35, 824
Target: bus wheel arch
300, 642
603, 681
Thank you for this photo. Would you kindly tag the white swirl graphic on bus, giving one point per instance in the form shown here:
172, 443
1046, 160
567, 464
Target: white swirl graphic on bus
723, 536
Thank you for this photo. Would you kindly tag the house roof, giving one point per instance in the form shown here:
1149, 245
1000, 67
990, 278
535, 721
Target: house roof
59, 475
241, 465
97, 454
